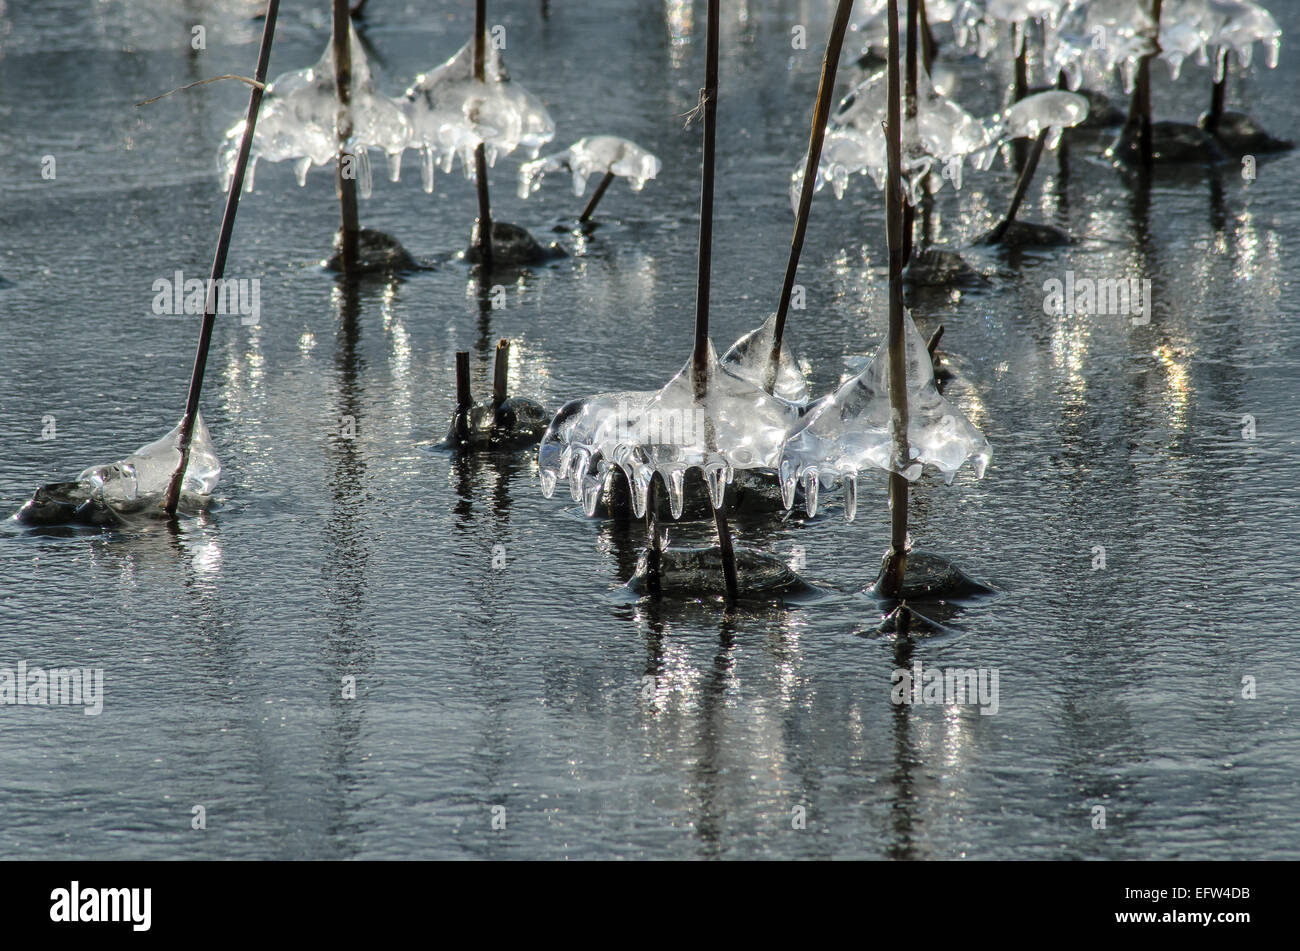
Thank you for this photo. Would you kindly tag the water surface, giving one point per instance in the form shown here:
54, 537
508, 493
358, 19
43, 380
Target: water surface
225, 642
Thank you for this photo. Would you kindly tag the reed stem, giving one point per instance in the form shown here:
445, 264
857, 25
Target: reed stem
596, 196
895, 565
1217, 96
172, 499
345, 171
1022, 187
700, 355
909, 112
821, 113
927, 41
1138, 127
480, 153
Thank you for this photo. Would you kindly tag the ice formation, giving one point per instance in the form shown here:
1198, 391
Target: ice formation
1094, 37
982, 22
451, 113
734, 426
1199, 28
1054, 111
853, 430
596, 154
142, 478
299, 116
871, 25
943, 134
940, 140
750, 357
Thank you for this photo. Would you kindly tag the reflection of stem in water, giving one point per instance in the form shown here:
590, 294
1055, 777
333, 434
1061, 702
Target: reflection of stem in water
1218, 209
483, 299
347, 553
713, 701
902, 815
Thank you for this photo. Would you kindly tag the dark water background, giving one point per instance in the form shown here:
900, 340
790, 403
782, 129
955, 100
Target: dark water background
224, 643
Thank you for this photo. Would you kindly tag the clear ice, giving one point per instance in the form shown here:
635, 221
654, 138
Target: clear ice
940, 139
853, 430
982, 23
1201, 28
596, 154
1054, 111
868, 21
1096, 37
451, 113
734, 426
299, 116
141, 479
750, 357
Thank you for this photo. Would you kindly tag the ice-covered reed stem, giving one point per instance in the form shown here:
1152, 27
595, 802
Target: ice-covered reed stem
895, 567
345, 167
909, 111
596, 196
480, 152
186, 437
1138, 127
700, 354
821, 113
927, 41
1022, 186
1217, 96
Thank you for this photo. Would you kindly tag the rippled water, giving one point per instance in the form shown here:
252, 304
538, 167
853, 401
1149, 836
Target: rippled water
224, 642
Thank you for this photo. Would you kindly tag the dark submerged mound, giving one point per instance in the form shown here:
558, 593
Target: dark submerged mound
1172, 143
698, 571
511, 244
377, 252
930, 577
1239, 134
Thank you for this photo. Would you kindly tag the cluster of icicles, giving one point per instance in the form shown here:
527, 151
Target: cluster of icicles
939, 139
738, 416
445, 114
1088, 40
